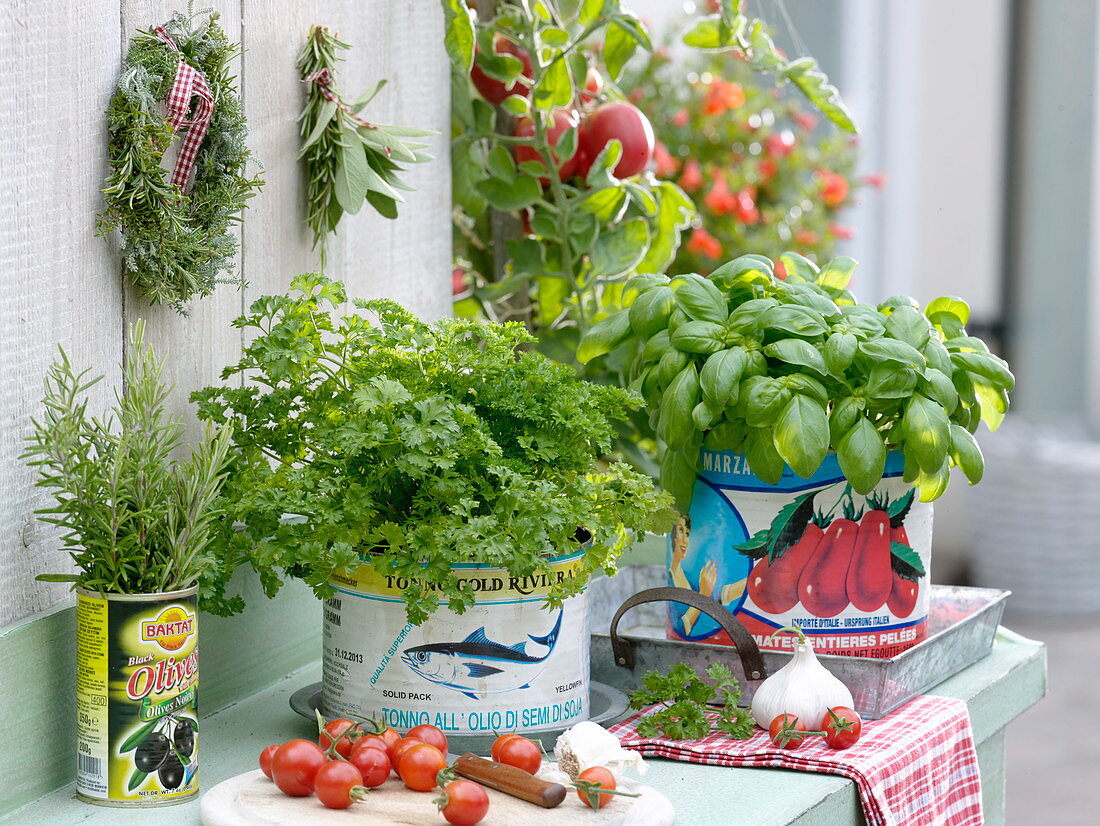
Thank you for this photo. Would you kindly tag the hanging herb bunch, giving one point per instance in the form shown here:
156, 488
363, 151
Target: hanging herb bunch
175, 228
347, 159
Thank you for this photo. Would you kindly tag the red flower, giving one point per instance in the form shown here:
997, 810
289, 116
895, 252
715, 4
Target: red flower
766, 169
458, 281
719, 199
745, 209
780, 270
680, 118
723, 96
834, 188
779, 144
805, 120
666, 165
805, 237
692, 176
703, 243
875, 179
842, 232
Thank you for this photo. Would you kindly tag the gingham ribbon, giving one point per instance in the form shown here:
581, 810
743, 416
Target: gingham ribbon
189, 83
322, 79
917, 766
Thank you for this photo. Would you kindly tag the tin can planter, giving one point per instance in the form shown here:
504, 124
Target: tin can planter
137, 698
850, 570
506, 664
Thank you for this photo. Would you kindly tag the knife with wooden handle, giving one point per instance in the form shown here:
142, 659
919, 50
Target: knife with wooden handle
510, 780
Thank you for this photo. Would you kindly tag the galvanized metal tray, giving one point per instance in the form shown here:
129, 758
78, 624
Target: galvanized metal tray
961, 625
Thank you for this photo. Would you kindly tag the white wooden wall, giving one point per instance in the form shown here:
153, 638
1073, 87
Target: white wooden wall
59, 60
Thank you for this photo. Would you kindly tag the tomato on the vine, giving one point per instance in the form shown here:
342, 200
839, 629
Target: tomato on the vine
494, 90
519, 752
617, 120
463, 803
265, 758
599, 778
419, 764
294, 766
784, 732
373, 765
842, 726
336, 783
564, 120
429, 734
344, 732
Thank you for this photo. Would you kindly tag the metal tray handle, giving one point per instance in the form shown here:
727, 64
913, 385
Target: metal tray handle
752, 662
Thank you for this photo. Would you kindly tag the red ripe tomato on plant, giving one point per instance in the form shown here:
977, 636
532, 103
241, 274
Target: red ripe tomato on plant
563, 120
625, 122
593, 85
463, 803
494, 90
294, 766
336, 784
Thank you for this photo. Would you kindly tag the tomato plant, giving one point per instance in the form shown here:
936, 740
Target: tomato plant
562, 121
418, 766
294, 766
265, 758
429, 734
373, 764
842, 727
343, 732
787, 732
338, 784
590, 782
463, 803
519, 752
515, 65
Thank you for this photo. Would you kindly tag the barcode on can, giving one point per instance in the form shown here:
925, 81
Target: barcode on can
86, 764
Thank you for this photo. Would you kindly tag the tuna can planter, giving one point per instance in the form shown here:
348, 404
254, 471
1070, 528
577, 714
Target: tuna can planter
810, 552
137, 684
506, 664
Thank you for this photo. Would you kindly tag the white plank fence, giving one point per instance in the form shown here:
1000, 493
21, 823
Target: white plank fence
59, 60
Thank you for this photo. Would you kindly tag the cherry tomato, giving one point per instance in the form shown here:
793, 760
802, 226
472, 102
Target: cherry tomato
344, 732
265, 758
617, 120
335, 784
419, 764
295, 765
500, 741
564, 120
519, 752
398, 748
783, 732
373, 765
389, 736
842, 727
593, 85
494, 90
430, 735
463, 803
371, 741
604, 779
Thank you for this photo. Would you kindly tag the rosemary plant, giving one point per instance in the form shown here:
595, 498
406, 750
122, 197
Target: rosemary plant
135, 519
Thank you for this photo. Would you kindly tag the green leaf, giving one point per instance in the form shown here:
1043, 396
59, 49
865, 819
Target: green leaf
885, 349
837, 273
675, 211
813, 83
988, 367
350, 184
510, 197
941, 388
502, 164
705, 414
899, 508
708, 33
966, 454
794, 320
702, 337
890, 381
908, 325
911, 565
623, 37
605, 203
458, 35
720, 376
840, 349
927, 433
675, 426
136, 779
797, 351
678, 475
932, 485
617, 252
138, 737
756, 546
789, 524
799, 268
555, 87
745, 269
994, 404
699, 298
324, 117
764, 459
591, 11
725, 435
764, 399
802, 435
843, 417
950, 305
604, 336
862, 456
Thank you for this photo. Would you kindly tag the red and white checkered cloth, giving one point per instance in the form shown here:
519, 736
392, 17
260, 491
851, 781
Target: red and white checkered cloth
189, 83
915, 766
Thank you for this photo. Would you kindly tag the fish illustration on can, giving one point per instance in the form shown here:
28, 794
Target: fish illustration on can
478, 666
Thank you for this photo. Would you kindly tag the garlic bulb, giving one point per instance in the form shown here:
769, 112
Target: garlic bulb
803, 687
589, 744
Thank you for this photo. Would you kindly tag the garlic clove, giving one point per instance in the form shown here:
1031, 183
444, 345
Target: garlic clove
589, 744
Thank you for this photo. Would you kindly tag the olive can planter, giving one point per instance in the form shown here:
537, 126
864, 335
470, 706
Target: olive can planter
137, 683
506, 664
850, 570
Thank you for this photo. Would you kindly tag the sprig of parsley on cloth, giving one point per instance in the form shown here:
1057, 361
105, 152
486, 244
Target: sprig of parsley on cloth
684, 696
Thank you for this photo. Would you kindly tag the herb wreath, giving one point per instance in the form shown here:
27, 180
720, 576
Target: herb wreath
174, 244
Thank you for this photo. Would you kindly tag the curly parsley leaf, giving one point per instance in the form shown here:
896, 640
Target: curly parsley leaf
684, 696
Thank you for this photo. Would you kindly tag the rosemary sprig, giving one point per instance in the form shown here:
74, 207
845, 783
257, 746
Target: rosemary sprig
346, 161
136, 520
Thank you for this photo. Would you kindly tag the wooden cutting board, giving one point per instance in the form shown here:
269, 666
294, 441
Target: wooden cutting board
251, 799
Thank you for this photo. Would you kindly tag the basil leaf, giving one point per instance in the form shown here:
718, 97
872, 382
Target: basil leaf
764, 399
794, 320
909, 325
837, 273
927, 433
763, 458
704, 414
966, 454
604, 336
843, 417
862, 456
726, 435
650, 311
888, 381
700, 299
670, 365
678, 475
675, 425
802, 435
988, 367
703, 337
840, 349
719, 379
885, 349
797, 351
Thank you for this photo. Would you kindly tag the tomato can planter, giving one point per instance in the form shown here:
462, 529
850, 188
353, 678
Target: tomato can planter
137, 698
850, 570
506, 664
